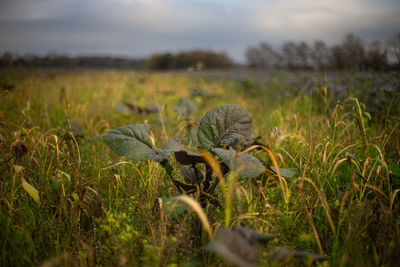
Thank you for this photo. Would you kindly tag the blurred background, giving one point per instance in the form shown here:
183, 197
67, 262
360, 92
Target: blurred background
196, 34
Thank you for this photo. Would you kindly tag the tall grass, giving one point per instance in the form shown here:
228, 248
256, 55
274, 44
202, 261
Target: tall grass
96, 208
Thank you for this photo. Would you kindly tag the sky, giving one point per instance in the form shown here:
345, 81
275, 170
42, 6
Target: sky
138, 28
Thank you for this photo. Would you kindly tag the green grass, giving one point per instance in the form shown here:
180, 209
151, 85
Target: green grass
97, 208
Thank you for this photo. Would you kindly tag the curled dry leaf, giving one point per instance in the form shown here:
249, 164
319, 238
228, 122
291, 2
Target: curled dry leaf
183, 154
18, 149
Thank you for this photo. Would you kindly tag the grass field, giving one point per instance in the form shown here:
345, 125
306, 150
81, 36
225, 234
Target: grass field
69, 200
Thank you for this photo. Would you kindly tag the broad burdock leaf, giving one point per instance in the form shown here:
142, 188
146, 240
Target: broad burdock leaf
282, 254
129, 108
224, 125
76, 129
134, 142
252, 236
285, 172
152, 108
200, 92
192, 175
246, 165
123, 108
233, 248
183, 154
185, 107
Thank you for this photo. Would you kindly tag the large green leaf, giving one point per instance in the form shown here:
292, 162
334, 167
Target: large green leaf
246, 165
133, 141
234, 248
224, 125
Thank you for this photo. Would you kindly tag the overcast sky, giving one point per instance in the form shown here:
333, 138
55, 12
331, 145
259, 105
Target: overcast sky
140, 27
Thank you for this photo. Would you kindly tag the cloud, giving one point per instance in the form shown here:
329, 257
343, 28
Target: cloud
140, 27
327, 19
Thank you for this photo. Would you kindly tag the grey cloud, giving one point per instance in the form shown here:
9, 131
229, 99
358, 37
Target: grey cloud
140, 27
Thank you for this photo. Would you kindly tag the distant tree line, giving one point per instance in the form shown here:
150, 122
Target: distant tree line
197, 59
351, 53
62, 61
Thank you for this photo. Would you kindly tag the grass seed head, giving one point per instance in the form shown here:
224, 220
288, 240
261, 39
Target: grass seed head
18, 149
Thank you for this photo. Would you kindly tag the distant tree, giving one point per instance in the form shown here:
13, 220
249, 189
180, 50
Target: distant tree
263, 57
160, 61
253, 56
350, 53
320, 55
194, 58
376, 56
289, 55
303, 54
354, 51
6, 59
394, 47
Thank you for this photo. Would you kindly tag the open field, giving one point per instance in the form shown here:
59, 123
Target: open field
66, 199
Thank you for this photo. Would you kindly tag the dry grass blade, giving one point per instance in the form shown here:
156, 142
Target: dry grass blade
199, 211
214, 165
282, 181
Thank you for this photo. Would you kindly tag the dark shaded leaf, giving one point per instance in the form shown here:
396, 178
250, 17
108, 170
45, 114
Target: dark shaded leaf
183, 154
189, 174
133, 141
224, 125
233, 248
246, 165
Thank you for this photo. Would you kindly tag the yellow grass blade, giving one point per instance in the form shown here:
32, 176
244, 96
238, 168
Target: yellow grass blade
196, 208
31, 190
